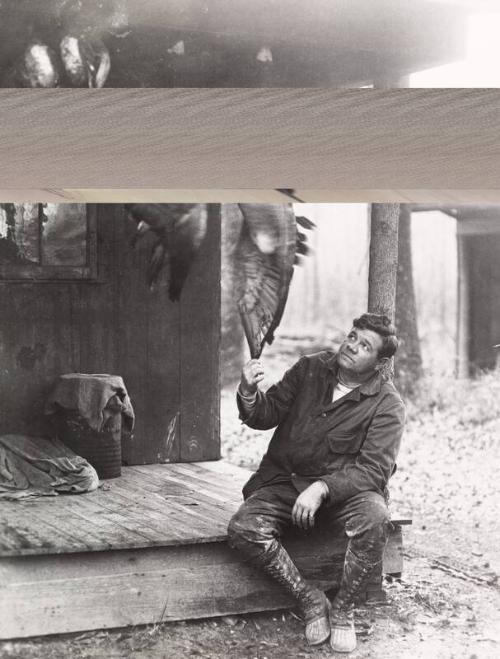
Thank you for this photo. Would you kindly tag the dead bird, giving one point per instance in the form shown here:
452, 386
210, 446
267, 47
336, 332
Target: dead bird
269, 246
86, 61
58, 42
83, 24
179, 230
81, 62
38, 66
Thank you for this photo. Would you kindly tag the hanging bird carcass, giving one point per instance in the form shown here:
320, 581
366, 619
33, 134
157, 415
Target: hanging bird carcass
179, 230
58, 42
269, 246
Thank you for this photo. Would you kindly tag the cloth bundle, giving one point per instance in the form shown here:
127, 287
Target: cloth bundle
34, 466
96, 397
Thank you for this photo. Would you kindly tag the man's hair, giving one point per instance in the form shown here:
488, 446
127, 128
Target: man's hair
383, 327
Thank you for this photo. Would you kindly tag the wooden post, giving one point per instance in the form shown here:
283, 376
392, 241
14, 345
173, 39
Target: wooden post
383, 267
200, 349
462, 360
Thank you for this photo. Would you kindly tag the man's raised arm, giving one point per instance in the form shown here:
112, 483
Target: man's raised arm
263, 410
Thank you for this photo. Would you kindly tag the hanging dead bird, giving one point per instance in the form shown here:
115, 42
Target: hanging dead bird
81, 62
65, 41
38, 66
86, 61
179, 230
82, 26
269, 246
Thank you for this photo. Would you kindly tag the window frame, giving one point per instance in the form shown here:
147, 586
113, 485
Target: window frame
49, 273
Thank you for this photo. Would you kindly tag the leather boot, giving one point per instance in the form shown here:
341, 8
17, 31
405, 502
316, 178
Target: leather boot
354, 579
313, 603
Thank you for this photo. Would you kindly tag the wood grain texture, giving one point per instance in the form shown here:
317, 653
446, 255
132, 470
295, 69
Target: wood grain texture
249, 195
146, 335
57, 594
200, 347
114, 589
148, 506
251, 138
152, 548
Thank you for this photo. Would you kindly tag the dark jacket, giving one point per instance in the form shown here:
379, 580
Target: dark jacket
351, 444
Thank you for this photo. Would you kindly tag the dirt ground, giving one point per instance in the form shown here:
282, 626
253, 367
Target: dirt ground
447, 605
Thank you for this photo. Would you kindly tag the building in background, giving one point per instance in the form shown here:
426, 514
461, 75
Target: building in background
455, 254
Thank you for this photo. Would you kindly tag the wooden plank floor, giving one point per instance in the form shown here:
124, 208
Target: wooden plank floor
148, 547
148, 506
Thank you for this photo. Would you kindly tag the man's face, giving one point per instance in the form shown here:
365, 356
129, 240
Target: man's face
358, 353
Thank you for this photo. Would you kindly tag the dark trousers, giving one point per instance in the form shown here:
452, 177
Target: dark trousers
264, 517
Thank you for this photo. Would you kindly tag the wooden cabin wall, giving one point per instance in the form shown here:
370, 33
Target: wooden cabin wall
483, 254
200, 328
166, 352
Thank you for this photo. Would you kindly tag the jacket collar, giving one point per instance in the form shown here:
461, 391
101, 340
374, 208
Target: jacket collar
368, 388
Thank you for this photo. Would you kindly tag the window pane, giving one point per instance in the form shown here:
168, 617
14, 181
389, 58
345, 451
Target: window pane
64, 238
19, 235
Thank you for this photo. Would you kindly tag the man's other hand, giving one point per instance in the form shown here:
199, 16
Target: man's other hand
252, 374
307, 504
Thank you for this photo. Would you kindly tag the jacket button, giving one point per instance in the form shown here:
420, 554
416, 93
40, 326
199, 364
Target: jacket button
323, 414
293, 474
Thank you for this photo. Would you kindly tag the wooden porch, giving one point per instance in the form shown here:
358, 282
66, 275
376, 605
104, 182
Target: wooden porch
145, 548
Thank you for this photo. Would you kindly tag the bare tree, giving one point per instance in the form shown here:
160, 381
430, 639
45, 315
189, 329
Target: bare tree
409, 357
383, 259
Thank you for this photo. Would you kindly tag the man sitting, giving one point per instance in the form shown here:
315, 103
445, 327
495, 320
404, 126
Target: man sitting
339, 421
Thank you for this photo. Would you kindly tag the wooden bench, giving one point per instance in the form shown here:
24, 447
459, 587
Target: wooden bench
320, 557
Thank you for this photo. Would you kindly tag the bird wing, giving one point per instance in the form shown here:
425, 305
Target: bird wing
179, 230
265, 256
159, 261
188, 232
155, 216
85, 59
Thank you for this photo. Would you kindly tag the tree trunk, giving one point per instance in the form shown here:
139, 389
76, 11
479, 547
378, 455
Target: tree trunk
409, 358
383, 259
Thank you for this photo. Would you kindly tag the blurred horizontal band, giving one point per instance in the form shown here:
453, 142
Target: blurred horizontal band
138, 195
254, 139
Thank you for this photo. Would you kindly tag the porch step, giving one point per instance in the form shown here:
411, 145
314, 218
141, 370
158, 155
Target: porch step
180, 572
